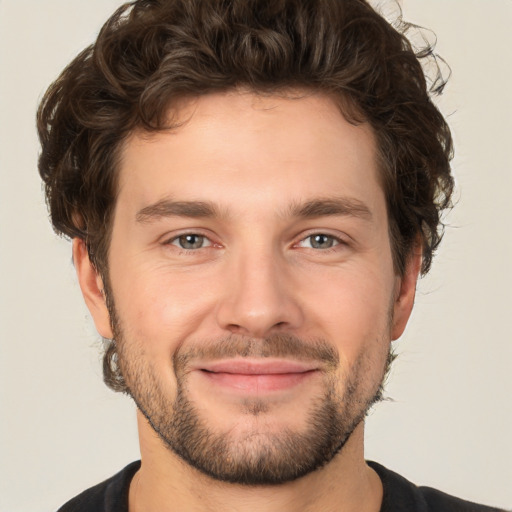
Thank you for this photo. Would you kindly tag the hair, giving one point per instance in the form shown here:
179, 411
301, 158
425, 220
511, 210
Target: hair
153, 53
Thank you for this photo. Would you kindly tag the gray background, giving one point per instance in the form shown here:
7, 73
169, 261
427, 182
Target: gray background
450, 423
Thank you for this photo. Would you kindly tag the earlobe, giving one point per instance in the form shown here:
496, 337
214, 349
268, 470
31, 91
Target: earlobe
406, 292
91, 285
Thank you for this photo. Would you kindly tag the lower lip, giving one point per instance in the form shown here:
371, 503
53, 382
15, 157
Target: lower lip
258, 383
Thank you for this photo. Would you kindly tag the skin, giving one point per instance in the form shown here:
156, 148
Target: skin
257, 160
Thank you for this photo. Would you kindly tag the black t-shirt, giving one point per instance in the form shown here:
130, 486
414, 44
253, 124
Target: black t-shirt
400, 495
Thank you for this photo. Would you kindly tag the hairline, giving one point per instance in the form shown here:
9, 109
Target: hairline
346, 107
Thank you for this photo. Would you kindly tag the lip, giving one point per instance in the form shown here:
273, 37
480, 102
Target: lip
254, 366
257, 376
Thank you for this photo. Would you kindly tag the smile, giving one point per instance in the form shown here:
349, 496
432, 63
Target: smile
253, 376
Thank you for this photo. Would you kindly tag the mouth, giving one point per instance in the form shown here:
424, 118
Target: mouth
255, 376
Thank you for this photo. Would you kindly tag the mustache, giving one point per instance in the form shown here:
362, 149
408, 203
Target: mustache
275, 345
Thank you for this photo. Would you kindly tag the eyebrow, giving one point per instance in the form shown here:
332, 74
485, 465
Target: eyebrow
319, 207
322, 207
168, 208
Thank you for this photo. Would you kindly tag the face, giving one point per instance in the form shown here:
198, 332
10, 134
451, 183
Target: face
251, 282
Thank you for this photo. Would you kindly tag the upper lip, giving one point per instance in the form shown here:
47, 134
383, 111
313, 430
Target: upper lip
255, 366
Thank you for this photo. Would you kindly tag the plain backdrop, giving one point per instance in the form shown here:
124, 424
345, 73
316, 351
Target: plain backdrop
449, 424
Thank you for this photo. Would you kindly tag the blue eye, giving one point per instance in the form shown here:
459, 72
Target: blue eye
320, 241
191, 241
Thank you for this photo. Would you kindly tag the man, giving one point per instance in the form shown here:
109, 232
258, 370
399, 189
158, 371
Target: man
252, 189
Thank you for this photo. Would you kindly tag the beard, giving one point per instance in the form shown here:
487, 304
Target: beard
258, 455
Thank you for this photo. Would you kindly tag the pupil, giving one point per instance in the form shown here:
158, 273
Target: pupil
322, 241
191, 241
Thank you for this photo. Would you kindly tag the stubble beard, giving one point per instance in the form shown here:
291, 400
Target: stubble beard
257, 456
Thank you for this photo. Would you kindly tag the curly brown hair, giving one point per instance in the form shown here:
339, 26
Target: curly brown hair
152, 53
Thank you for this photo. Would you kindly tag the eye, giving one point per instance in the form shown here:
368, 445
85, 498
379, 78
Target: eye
191, 241
320, 241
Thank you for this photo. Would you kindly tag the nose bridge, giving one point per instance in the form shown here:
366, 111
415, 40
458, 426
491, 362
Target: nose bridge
259, 298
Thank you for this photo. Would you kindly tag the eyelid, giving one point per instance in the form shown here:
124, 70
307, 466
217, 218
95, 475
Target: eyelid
169, 238
336, 242
206, 242
340, 238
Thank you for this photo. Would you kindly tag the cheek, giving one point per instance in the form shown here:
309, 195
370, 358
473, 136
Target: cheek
351, 308
162, 308
356, 317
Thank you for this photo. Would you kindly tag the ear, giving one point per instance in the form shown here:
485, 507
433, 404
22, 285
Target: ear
91, 285
405, 293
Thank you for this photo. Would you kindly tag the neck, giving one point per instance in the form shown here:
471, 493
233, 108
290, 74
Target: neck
166, 483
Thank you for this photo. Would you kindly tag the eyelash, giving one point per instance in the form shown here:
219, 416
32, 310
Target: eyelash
336, 241
176, 240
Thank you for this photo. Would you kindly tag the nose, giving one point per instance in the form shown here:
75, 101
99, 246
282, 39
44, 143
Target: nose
260, 297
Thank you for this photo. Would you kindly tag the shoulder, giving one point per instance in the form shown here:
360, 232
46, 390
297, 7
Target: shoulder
110, 495
400, 495
438, 500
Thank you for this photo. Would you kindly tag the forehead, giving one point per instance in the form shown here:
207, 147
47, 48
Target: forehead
251, 151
